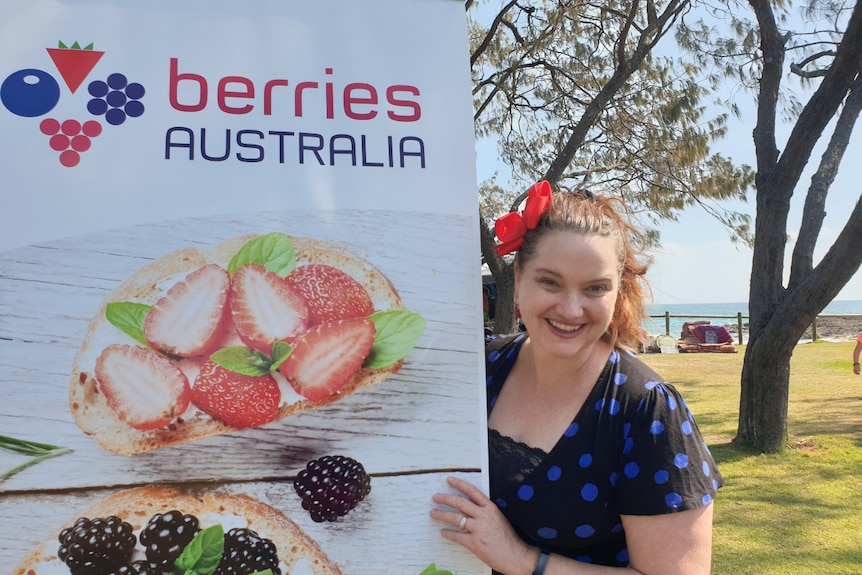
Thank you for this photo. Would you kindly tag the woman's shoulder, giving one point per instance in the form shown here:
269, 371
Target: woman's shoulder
641, 381
629, 363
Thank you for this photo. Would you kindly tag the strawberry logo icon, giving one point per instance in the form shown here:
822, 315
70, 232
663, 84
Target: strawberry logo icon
75, 63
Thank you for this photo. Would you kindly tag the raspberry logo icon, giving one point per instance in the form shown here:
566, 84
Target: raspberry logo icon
32, 93
70, 138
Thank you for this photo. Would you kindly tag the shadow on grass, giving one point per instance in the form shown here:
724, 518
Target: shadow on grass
792, 513
829, 416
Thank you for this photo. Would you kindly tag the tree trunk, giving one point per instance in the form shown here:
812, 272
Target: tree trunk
504, 318
764, 396
504, 280
778, 316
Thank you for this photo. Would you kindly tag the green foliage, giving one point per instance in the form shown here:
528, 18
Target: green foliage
433, 570
584, 85
579, 94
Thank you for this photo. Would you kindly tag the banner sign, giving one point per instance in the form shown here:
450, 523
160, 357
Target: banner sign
239, 278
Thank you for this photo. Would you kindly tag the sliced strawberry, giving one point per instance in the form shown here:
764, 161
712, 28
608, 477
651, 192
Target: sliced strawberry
227, 335
236, 399
264, 308
144, 388
328, 356
187, 320
330, 293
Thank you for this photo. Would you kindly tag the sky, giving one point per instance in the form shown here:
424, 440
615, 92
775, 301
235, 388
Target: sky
697, 263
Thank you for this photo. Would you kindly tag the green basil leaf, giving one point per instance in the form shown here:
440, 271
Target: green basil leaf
432, 570
242, 360
129, 318
398, 331
273, 251
281, 350
264, 572
203, 553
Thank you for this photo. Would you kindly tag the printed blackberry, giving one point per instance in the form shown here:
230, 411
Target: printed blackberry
97, 546
140, 567
331, 486
166, 535
247, 552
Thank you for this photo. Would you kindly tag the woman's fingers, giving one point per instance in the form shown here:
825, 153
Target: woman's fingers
454, 518
474, 493
458, 502
460, 507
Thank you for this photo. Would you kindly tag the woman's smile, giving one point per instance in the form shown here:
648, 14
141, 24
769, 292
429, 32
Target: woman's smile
564, 327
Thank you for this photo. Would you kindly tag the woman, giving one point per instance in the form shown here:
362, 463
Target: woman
596, 464
856, 352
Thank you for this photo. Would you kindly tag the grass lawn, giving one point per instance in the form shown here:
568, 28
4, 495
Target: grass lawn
798, 512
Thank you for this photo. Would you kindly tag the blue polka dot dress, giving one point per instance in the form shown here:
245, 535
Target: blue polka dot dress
632, 449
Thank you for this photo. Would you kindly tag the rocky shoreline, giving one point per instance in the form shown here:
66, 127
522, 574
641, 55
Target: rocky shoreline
829, 327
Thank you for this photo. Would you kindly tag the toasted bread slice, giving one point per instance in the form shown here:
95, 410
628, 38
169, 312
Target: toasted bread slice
90, 407
297, 552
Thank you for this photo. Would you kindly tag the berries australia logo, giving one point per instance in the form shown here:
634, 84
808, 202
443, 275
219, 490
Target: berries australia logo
35, 93
324, 119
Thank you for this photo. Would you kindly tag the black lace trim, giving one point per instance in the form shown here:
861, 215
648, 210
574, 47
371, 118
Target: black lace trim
510, 462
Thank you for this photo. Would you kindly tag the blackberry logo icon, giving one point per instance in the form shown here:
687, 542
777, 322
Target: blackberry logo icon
116, 99
32, 93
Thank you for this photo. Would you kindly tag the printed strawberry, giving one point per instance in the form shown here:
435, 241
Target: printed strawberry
187, 320
264, 308
144, 388
327, 356
330, 293
75, 63
238, 400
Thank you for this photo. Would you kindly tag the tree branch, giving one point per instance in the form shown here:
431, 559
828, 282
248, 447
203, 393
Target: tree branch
492, 30
622, 73
772, 48
814, 210
822, 106
798, 68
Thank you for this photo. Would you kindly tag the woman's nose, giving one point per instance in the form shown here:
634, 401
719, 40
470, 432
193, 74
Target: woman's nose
570, 304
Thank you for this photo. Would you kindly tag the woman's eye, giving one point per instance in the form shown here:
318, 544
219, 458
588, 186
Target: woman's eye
598, 289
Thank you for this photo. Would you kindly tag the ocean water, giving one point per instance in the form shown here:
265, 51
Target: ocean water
697, 311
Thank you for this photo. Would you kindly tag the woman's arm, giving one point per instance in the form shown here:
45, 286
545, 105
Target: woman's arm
671, 544
856, 351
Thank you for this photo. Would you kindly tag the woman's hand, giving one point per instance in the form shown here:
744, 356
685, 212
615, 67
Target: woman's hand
485, 531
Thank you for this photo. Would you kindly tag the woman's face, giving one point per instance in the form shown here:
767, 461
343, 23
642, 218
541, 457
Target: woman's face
566, 293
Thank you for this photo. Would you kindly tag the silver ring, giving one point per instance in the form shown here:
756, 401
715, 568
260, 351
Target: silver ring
462, 524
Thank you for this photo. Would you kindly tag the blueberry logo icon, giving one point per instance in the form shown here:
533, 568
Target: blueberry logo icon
30, 93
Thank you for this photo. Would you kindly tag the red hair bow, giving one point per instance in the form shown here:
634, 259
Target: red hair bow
510, 229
